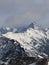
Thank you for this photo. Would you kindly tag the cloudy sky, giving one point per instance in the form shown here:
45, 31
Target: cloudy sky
23, 12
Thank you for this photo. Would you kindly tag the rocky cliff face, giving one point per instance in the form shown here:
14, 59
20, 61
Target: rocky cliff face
10, 49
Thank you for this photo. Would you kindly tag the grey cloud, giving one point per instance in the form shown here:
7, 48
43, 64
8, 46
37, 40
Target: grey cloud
20, 12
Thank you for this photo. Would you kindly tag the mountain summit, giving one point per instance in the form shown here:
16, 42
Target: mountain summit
31, 25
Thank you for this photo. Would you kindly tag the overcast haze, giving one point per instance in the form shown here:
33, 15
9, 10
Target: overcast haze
22, 12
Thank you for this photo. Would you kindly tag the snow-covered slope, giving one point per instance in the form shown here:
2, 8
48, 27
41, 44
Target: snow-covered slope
34, 41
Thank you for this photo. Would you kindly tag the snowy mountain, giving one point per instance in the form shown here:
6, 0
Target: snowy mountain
24, 28
30, 41
4, 30
34, 40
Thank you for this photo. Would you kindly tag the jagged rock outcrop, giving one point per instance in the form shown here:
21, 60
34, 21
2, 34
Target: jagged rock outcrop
9, 50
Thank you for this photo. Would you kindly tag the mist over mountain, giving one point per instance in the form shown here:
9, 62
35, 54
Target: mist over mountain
19, 13
24, 31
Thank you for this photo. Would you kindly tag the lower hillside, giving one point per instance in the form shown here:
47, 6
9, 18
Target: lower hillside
10, 49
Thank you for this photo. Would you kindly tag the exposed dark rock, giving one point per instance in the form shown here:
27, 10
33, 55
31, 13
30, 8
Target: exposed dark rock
42, 62
9, 50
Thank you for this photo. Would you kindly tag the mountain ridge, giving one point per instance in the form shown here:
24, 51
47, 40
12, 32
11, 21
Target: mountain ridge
32, 40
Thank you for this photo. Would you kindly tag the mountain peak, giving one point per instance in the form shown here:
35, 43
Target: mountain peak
31, 25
